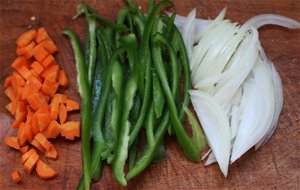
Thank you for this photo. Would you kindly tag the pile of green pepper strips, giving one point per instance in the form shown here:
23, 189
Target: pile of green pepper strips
129, 81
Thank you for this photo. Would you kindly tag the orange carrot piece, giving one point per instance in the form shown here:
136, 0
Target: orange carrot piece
51, 153
37, 67
26, 38
43, 109
41, 35
24, 72
10, 93
24, 149
27, 132
62, 113
18, 62
19, 119
23, 50
35, 81
59, 98
70, 129
31, 162
43, 120
50, 86
54, 108
12, 107
29, 89
19, 93
21, 108
43, 141
62, 78
36, 100
27, 154
38, 146
12, 142
34, 125
40, 53
16, 176
72, 105
44, 171
49, 60
53, 130
50, 72
19, 79
7, 81
50, 46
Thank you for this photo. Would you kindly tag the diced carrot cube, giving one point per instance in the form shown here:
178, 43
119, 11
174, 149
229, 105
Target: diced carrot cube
43, 120
27, 154
31, 162
62, 113
50, 72
24, 149
72, 105
54, 108
36, 100
41, 35
18, 62
12, 142
49, 60
70, 129
40, 53
10, 93
51, 153
50, 46
43, 141
15, 175
23, 50
37, 67
38, 146
59, 98
50, 86
26, 38
62, 78
24, 72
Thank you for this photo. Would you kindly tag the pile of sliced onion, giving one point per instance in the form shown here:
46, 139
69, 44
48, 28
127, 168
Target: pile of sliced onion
237, 92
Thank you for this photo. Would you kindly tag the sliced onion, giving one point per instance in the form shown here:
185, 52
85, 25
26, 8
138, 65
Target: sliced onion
215, 125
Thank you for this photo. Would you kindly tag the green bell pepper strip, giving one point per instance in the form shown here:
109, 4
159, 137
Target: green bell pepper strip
121, 153
158, 95
129, 43
92, 54
83, 7
86, 116
188, 146
145, 65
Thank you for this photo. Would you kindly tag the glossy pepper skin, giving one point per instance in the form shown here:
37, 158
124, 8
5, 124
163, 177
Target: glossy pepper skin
86, 116
133, 68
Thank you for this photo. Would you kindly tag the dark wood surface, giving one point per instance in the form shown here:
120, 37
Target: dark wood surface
274, 166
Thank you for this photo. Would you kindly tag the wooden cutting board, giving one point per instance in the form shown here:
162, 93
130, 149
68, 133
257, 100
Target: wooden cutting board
274, 166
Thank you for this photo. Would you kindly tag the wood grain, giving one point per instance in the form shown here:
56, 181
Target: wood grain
274, 166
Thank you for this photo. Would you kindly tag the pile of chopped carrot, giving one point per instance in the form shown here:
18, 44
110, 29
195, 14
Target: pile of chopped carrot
40, 112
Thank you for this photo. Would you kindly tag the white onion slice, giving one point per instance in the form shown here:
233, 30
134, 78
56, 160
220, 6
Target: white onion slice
215, 126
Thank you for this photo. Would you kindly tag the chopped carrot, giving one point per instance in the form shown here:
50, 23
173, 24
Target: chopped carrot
24, 149
35, 103
29, 89
70, 129
50, 46
44, 171
30, 162
49, 60
19, 119
34, 125
36, 100
62, 78
53, 130
24, 72
43, 141
25, 50
12, 107
40, 53
27, 132
37, 67
51, 71
51, 153
7, 81
50, 86
12, 142
43, 120
16, 176
27, 154
38, 145
59, 98
18, 62
72, 105
62, 113
10, 93
19, 79
41, 35
26, 38
54, 110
